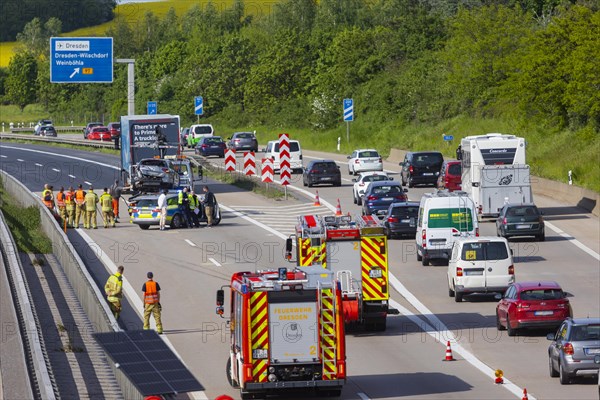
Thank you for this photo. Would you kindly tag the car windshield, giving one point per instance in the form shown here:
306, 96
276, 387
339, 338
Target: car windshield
153, 162
387, 190
585, 332
213, 140
202, 130
542, 294
484, 251
116, 126
375, 178
403, 212
294, 146
455, 169
523, 211
100, 130
367, 154
428, 159
147, 203
244, 136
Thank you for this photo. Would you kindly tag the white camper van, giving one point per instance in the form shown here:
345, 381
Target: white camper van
443, 217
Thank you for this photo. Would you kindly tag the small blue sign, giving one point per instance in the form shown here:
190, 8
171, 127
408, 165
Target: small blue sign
348, 110
152, 107
81, 60
199, 105
448, 138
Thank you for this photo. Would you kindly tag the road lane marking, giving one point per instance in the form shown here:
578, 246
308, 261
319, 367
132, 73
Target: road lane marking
63, 156
3, 156
188, 241
363, 396
389, 171
573, 240
436, 329
72, 176
212, 260
38, 164
55, 170
87, 183
21, 160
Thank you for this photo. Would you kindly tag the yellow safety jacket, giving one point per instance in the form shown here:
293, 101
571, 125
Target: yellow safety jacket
106, 202
114, 287
91, 199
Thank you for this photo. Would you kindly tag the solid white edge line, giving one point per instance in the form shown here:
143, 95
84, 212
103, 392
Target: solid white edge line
573, 240
135, 300
188, 241
63, 156
212, 260
437, 330
363, 396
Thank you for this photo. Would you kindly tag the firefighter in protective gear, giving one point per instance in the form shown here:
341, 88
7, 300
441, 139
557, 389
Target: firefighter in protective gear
61, 204
91, 200
79, 205
184, 206
114, 291
152, 305
48, 197
107, 210
194, 208
70, 205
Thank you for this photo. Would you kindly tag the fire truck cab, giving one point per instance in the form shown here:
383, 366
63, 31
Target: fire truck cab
355, 250
287, 332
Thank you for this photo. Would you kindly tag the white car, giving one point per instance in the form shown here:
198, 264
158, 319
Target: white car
361, 184
364, 160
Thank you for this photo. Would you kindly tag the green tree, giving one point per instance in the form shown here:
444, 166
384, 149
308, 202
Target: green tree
20, 83
36, 37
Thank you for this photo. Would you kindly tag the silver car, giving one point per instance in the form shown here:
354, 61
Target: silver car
154, 174
575, 348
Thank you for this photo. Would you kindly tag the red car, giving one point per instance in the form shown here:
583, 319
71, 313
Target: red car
115, 129
450, 176
537, 304
100, 133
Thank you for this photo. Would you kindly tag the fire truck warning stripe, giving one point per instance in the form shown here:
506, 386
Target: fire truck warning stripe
371, 290
372, 253
259, 370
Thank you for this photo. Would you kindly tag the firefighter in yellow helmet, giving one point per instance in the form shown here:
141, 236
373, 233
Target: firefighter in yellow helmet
114, 291
48, 197
70, 204
107, 210
91, 201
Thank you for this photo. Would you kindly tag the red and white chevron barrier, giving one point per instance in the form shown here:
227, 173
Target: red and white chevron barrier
285, 172
266, 173
249, 163
230, 160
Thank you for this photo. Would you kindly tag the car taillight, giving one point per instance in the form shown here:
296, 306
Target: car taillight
523, 305
477, 232
455, 232
400, 197
380, 159
568, 349
236, 140
540, 220
480, 209
371, 197
504, 221
424, 238
135, 210
204, 146
156, 210
361, 184
410, 169
511, 270
392, 219
357, 161
313, 171
459, 271
562, 305
165, 169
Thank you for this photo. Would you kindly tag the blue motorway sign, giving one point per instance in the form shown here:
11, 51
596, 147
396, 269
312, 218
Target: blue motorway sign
152, 107
448, 138
348, 110
199, 105
81, 60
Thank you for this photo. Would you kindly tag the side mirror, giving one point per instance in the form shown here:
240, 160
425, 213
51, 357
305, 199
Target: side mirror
405, 190
348, 157
550, 336
288, 249
512, 252
391, 178
401, 164
353, 179
220, 301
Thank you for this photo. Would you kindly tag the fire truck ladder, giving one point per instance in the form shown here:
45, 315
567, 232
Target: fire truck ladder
328, 331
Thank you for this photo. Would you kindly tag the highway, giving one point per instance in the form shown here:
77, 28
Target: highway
403, 362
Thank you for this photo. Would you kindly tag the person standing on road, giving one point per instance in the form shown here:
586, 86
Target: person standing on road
91, 201
184, 206
162, 206
115, 192
70, 203
194, 208
152, 305
209, 205
107, 210
61, 204
79, 205
114, 291
48, 197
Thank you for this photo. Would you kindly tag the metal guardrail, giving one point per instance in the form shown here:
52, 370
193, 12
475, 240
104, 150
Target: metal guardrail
45, 139
78, 129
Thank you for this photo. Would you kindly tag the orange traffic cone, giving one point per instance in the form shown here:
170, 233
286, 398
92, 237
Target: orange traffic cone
499, 377
448, 353
317, 201
338, 209
525, 394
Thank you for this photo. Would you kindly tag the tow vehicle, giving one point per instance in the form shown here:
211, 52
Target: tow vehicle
355, 250
286, 332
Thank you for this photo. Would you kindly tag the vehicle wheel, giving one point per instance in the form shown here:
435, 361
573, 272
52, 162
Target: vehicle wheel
541, 237
403, 181
144, 227
450, 291
511, 330
354, 200
304, 183
419, 257
499, 326
350, 171
553, 372
410, 183
228, 374
310, 184
176, 221
563, 376
458, 297
359, 200
425, 261
338, 184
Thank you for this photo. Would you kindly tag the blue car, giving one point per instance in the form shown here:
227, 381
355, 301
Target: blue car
211, 146
380, 195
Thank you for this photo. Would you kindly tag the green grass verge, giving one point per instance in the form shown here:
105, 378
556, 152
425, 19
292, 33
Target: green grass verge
31, 113
24, 224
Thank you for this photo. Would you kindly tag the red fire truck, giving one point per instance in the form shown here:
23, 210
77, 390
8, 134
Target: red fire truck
287, 332
356, 251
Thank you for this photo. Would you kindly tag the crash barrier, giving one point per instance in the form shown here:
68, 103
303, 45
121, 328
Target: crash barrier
78, 142
78, 129
89, 295
29, 329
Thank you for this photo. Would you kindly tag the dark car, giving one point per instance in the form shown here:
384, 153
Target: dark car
535, 304
379, 196
88, 128
421, 168
243, 141
115, 129
211, 146
401, 219
322, 172
520, 220
47, 130
450, 176
575, 349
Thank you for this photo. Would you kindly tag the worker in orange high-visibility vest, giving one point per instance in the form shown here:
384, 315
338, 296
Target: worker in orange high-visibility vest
70, 204
61, 204
152, 305
79, 205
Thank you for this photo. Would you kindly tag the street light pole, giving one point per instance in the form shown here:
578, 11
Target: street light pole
130, 83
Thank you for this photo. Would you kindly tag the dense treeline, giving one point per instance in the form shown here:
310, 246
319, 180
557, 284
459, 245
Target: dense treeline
403, 62
74, 14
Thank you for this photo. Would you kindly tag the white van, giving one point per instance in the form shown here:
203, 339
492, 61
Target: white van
443, 217
272, 152
480, 265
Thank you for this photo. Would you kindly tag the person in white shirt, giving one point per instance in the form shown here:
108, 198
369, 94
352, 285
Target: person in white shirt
162, 205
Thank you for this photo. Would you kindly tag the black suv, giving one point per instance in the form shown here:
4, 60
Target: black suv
322, 171
421, 168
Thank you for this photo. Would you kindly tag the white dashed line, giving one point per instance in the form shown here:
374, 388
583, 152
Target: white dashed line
72, 176
38, 165
188, 241
87, 183
212, 260
18, 159
4, 156
55, 170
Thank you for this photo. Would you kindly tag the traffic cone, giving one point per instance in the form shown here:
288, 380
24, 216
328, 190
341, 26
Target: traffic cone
499, 377
338, 209
448, 353
317, 201
525, 394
